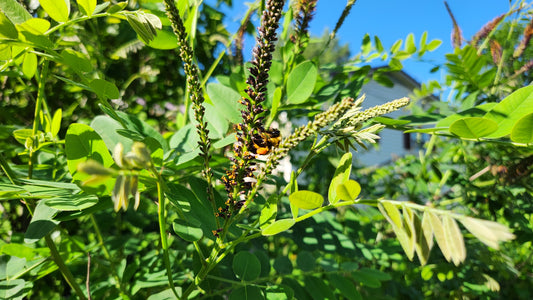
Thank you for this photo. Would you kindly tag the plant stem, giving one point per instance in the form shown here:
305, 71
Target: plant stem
63, 268
163, 233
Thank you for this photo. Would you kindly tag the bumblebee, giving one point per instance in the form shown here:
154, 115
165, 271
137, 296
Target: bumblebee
264, 141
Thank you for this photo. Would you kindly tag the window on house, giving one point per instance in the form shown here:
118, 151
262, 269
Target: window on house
407, 141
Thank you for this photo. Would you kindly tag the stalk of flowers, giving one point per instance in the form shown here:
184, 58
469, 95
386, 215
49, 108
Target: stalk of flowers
487, 29
457, 35
240, 177
194, 89
348, 120
528, 32
300, 134
305, 10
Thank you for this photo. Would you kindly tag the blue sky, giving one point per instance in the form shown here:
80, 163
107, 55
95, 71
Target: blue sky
391, 20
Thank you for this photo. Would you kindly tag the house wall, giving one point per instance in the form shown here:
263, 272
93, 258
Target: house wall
391, 144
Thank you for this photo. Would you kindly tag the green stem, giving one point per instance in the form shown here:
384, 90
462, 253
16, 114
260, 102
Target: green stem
63, 268
163, 234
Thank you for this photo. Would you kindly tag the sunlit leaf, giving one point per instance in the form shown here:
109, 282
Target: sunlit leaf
57, 9
473, 127
29, 66
301, 82
348, 190
454, 240
440, 236
87, 6
278, 226
306, 199
488, 232
523, 130
510, 110
342, 174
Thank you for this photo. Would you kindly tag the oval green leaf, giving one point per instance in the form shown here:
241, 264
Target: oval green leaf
523, 130
246, 266
301, 82
278, 226
226, 101
87, 6
189, 230
510, 110
7, 28
473, 127
349, 190
29, 66
342, 174
164, 40
306, 199
57, 9
104, 89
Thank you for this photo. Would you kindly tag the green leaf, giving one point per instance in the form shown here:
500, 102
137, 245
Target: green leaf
396, 46
246, 266
188, 229
14, 289
433, 45
305, 261
379, 45
278, 226
422, 247
306, 199
454, 240
194, 201
440, 237
226, 101
248, 292
164, 40
81, 144
473, 127
35, 26
391, 213
366, 45
477, 111
57, 9
410, 46
283, 265
72, 203
41, 223
346, 287
510, 110
269, 211
56, 122
29, 66
14, 11
349, 190
104, 89
409, 241
342, 174
185, 143
489, 233
523, 130
87, 6
7, 28
75, 60
301, 82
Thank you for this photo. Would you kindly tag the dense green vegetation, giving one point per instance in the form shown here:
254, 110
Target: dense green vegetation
140, 156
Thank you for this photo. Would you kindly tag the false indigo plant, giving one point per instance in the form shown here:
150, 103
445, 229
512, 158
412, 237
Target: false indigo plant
213, 220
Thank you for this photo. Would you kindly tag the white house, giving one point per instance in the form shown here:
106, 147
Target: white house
393, 143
